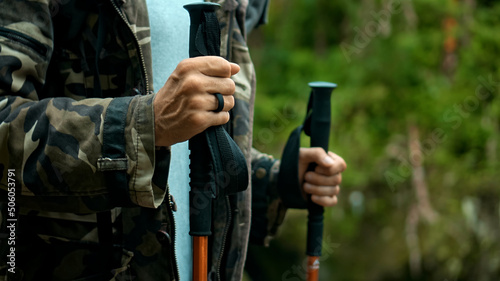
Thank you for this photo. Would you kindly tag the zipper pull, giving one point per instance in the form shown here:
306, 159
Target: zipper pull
172, 203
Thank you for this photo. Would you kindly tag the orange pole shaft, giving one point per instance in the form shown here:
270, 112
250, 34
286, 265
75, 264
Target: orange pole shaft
312, 268
200, 258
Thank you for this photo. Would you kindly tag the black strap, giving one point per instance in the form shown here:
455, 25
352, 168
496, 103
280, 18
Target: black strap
208, 35
229, 163
288, 180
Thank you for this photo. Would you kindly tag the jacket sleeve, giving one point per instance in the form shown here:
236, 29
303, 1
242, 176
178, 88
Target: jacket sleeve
68, 155
268, 211
256, 14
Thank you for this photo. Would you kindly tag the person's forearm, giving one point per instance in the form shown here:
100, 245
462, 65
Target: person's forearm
65, 148
268, 211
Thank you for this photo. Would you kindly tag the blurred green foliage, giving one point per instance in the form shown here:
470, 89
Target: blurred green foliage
416, 110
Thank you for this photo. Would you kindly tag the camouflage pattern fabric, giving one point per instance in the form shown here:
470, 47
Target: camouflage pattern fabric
64, 65
53, 123
268, 211
49, 133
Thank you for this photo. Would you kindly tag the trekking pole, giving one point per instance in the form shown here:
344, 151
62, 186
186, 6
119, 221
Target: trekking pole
320, 134
317, 126
201, 171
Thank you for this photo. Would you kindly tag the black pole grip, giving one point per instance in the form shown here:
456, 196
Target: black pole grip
202, 183
204, 24
320, 136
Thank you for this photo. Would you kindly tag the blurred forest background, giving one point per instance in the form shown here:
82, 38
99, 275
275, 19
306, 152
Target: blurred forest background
416, 116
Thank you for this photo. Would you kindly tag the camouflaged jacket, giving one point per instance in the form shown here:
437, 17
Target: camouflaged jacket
77, 147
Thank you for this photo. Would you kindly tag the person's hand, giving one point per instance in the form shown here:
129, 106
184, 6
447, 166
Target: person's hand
185, 105
322, 183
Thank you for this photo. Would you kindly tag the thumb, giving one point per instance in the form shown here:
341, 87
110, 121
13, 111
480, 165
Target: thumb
234, 68
315, 155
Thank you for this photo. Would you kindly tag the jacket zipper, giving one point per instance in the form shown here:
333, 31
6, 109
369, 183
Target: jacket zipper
136, 41
25, 40
146, 80
228, 203
224, 238
171, 215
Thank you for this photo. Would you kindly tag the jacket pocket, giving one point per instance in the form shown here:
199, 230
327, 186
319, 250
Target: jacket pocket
25, 40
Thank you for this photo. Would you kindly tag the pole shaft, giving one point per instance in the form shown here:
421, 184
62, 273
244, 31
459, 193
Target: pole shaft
200, 258
312, 268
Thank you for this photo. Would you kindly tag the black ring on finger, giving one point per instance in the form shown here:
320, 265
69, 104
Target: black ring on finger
220, 102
